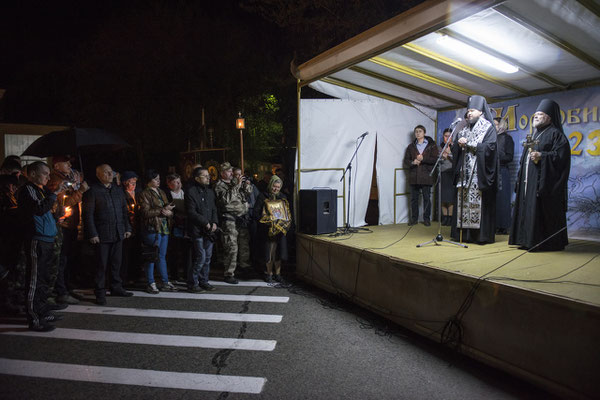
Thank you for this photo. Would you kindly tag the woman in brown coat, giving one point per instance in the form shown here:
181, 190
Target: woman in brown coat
155, 222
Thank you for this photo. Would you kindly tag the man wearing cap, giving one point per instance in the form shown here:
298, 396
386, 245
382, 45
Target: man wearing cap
476, 170
540, 222
70, 199
233, 210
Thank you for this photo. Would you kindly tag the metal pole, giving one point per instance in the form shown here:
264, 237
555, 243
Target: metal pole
242, 150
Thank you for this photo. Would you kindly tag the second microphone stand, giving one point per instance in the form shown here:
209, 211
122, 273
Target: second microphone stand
347, 227
439, 238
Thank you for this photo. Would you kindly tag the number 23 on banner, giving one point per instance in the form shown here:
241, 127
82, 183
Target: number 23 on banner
594, 137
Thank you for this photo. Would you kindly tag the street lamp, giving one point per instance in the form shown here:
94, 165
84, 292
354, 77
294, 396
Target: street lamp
240, 123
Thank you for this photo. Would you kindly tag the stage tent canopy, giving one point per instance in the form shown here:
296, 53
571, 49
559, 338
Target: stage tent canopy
427, 60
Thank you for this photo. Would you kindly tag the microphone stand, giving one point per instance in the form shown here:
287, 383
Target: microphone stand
347, 228
439, 238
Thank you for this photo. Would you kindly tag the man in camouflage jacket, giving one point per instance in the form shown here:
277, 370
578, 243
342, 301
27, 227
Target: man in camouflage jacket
233, 211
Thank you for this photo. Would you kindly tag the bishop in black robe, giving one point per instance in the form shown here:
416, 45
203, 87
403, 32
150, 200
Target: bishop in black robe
539, 220
475, 176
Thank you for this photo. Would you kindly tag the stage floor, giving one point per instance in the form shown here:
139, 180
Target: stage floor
573, 274
536, 315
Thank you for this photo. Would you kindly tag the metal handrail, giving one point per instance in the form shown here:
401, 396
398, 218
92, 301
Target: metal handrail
343, 196
397, 194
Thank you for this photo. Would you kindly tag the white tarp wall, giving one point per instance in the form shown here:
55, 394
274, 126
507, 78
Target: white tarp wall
328, 132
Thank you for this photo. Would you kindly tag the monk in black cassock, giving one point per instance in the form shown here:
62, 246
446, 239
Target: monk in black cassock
506, 150
541, 204
475, 176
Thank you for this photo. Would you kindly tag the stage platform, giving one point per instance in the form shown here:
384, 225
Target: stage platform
535, 315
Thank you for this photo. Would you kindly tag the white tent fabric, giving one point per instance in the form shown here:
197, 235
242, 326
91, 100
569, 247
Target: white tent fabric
329, 136
329, 129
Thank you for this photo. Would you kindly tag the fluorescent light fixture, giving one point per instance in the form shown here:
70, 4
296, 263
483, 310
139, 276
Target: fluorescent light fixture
476, 54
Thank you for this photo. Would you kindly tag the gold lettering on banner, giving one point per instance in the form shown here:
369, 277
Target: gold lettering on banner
523, 121
572, 117
511, 111
587, 112
578, 138
595, 137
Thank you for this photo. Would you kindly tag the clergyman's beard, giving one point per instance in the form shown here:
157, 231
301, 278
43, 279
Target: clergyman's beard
540, 124
474, 120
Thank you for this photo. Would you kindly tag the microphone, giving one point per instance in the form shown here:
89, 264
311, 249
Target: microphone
363, 135
455, 122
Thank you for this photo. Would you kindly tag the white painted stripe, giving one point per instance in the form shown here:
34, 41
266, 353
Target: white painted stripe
215, 296
153, 313
144, 338
242, 283
129, 376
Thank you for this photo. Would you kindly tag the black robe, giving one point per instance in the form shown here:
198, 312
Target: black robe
541, 211
487, 173
506, 150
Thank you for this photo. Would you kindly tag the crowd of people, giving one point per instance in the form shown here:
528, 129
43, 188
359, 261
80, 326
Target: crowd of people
476, 190
115, 233
170, 232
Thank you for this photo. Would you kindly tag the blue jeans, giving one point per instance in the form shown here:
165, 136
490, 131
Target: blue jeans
200, 269
149, 239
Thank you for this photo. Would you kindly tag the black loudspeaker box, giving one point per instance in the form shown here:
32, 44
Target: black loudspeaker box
318, 211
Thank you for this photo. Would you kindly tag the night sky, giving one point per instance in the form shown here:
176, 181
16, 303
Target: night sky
145, 69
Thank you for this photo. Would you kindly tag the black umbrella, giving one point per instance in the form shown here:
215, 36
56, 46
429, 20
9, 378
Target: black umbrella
73, 141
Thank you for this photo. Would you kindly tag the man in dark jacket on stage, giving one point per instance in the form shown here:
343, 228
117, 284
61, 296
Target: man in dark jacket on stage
540, 222
476, 175
105, 225
202, 218
419, 159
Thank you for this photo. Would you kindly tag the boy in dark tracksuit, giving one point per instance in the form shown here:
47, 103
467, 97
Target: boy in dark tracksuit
39, 229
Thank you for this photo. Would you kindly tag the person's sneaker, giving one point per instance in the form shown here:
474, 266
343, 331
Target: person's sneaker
231, 280
66, 299
121, 293
152, 289
411, 223
269, 278
42, 327
277, 278
168, 287
426, 223
207, 286
55, 307
50, 317
101, 301
196, 289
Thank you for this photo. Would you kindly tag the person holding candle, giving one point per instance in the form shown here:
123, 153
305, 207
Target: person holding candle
70, 199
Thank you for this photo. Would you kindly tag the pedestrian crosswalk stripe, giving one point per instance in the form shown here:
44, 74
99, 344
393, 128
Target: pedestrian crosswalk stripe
144, 338
242, 283
128, 376
215, 296
154, 313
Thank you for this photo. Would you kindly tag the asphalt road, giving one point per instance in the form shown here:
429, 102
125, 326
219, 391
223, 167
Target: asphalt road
322, 348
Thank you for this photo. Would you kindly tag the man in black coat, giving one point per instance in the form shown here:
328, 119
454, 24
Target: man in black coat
106, 224
419, 159
202, 216
540, 222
